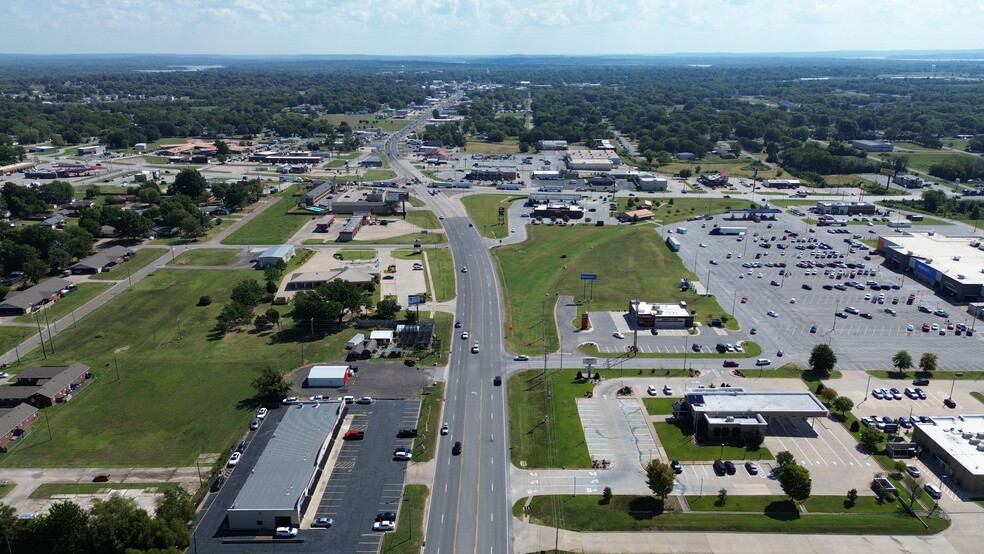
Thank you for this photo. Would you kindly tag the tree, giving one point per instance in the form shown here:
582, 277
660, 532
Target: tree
248, 292
606, 496
118, 524
822, 360
912, 486
132, 225
785, 458
722, 497
9, 525
795, 481
388, 307
659, 478
270, 384
902, 361
35, 270
176, 505
842, 404
190, 183
272, 316
66, 527
870, 437
927, 362
755, 438
310, 305
852, 497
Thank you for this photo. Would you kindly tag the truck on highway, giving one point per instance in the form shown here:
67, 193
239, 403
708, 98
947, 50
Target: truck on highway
729, 230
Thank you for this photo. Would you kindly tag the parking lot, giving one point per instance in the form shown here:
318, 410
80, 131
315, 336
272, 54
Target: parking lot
362, 480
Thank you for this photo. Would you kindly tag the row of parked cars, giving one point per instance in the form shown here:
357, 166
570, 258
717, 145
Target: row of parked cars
727, 467
895, 394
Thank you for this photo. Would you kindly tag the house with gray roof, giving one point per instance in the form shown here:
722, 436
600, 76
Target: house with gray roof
104, 260
33, 299
44, 386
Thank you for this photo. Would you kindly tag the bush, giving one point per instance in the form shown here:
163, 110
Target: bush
722, 498
855, 426
828, 394
204, 300
606, 495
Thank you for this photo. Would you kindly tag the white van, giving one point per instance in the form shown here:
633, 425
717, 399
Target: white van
933, 490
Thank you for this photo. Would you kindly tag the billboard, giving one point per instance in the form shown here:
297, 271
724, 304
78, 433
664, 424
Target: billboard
414, 299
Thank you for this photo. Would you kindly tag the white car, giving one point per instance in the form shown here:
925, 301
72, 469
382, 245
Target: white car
763, 361
475, 348
286, 532
792, 300
909, 327
618, 335
738, 348
234, 459
384, 526
402, 454
445, 429
521, 358
702, 245
464, 269
464, 335
771, 313
667, 390
262, 413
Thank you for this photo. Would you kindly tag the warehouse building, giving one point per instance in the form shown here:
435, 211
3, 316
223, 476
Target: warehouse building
872, 145
277, 491
951, 266
274, 255
329, 376
733, 412
956, 444
592, 160
845, 208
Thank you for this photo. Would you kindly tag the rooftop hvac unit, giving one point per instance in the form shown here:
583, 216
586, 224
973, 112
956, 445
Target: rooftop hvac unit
961, 276
956, 258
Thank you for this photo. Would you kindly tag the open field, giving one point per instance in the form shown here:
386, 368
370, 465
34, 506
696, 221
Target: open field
561, 254
366, 121
144, 257
207, 256
378, 175
483, 209
646, 513
11, 336
272, 226
508, 146
64, 306
679, 445
416, 202
425, 219
558, 440
921, 158
742, 168
179, 392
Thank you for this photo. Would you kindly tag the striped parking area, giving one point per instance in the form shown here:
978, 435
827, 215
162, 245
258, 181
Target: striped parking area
616, 429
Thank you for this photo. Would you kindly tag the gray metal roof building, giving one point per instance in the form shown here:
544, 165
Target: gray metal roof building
287, 470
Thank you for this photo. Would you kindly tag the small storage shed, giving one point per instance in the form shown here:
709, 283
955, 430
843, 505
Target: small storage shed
355, 341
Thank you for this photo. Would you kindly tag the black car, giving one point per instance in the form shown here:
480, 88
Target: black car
407, 433
386, 516
721, 348
813, 329
921, 382
695, 347
729, 467
497, 381
677, 467
217, 483
807, 287
241, 446
456, 449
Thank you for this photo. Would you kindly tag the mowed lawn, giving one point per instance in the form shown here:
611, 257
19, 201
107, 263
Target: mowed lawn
483, 209
631, 261
11, 336
207, 256
144, 257
558, 440
272, 226
64, 306
178, 394
425, 219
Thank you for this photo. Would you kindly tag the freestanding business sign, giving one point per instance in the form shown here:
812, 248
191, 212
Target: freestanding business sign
415, 299
585, 277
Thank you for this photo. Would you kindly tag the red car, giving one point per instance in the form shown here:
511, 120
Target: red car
730, 363
949, 403
354, 435
866, 315
925, 327
744, 299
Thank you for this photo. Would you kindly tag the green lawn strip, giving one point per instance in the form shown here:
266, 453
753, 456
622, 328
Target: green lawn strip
207, 256
408, 538
386, 124
416, 202
546, 433
378, 175
440, 268
978, 396
641, 513
49, 490
272, 226
838, 504
64, 306
752, 350
425, 219
356, 253
940, 376
483, 209
659, 406
144, 257
11, 336
429, 422
177, 240
788, 371
561, 254
814, 504
424, 238
678, 444
179, 394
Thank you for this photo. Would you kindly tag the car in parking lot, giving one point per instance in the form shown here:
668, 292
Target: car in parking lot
217, 483
354, 435
772, 313
285, 532
852, 310
234, 459
866, 315
744, 299
255, 424
384, 526
729, 467
921, 382
813, 329
730, 363
806, 286
618, 335
696, 347
261, 413
667, 390
941, 313
651, 390
677, 466
920, 393
904, 422
949, 403
896, 393
751, 468
763, 361
402, 454
325, 522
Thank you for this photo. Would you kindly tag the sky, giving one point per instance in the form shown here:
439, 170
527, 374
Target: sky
486, 27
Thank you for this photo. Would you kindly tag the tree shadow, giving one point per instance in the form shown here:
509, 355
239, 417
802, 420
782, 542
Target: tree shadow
782, 510
645, 507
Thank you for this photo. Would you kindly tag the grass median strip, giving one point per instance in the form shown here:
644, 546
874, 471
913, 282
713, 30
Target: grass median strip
646, 513
409, 534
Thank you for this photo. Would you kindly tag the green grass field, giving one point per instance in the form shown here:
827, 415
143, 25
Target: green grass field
483, 209
410, 238
207, 256
679, 445
11, 336
586, 513
378, 175
561, 254
440, 267
508, 146
416, 202
64, 306
429, 422
366, 121
408, 538
144, 257
425, 219
179, 392
659, 406
557, 440
272, 226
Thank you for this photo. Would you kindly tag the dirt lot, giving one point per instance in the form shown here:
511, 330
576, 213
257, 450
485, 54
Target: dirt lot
394, 228
378, 379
